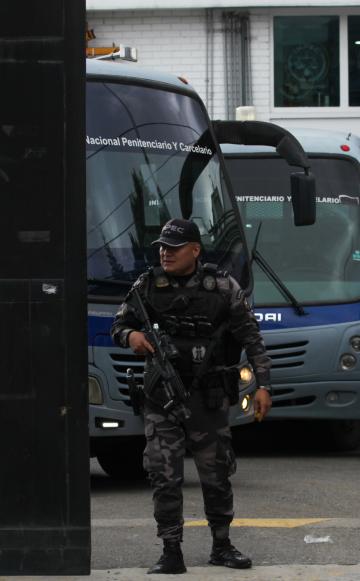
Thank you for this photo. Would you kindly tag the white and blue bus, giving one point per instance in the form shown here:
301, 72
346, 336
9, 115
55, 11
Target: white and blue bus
307, 280
152, 155
141, 128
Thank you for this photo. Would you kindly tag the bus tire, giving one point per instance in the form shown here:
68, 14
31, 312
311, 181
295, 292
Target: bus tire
345, 434
122, 466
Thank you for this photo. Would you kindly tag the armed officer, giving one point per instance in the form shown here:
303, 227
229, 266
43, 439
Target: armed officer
206, 315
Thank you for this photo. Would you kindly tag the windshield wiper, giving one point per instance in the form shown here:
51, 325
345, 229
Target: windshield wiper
105, 281
271, 274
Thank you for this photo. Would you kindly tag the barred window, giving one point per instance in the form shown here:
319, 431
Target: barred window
354, 59
306, 61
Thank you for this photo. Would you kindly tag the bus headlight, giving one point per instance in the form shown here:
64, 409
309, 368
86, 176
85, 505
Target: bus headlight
95, 393
355, 343
246, 375
245, 403
347, 361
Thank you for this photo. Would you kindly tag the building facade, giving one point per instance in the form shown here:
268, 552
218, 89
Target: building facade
296, 63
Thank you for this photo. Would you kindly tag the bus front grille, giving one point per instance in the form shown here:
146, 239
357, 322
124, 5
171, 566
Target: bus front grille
287, 355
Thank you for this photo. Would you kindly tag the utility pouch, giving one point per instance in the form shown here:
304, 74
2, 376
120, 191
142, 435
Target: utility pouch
213, 397
218, 383
212, 389
231, 384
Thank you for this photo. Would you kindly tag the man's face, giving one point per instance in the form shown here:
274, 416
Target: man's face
180, 260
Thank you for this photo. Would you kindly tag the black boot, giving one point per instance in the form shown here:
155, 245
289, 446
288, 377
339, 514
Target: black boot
171, 561
224, 553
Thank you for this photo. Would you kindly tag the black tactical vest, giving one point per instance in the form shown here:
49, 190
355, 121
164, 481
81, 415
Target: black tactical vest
190, 314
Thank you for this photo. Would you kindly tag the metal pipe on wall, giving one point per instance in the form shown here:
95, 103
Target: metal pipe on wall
210, 62
236, 61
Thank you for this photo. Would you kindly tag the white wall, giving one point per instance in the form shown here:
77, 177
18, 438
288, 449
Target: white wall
175, 41
166, 4
260, 64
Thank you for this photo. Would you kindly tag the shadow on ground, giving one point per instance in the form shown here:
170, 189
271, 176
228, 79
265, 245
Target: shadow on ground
296, 436
273, 438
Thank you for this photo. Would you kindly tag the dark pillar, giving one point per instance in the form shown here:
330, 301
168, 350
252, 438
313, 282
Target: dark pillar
44, 462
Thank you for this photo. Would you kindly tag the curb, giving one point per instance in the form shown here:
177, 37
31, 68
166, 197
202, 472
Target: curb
262, 573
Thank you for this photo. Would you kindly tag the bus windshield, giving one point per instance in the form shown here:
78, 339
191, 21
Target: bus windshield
318, 263
138, 139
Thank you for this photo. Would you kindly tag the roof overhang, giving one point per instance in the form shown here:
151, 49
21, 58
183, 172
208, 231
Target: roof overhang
196, 4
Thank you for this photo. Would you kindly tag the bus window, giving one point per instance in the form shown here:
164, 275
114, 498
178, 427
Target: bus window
131, 196
318, 263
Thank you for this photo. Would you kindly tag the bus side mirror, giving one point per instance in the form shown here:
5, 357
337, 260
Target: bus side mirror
303, 198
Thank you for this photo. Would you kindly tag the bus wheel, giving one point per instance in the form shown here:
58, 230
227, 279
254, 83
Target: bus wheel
122, 466
344, 434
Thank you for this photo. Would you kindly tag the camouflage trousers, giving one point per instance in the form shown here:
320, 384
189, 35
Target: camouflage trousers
207, 435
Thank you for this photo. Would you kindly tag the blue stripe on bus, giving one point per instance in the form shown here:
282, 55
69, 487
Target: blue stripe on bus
269, 318
99, 331
286, 317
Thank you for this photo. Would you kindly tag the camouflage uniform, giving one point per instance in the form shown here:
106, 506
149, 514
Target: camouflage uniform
207, 435
206, 432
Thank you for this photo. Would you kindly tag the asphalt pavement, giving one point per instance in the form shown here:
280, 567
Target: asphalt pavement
297, 515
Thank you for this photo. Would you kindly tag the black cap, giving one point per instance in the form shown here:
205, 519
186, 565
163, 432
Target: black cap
178, 232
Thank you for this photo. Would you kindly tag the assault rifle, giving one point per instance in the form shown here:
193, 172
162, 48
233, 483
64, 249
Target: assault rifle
161, 369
